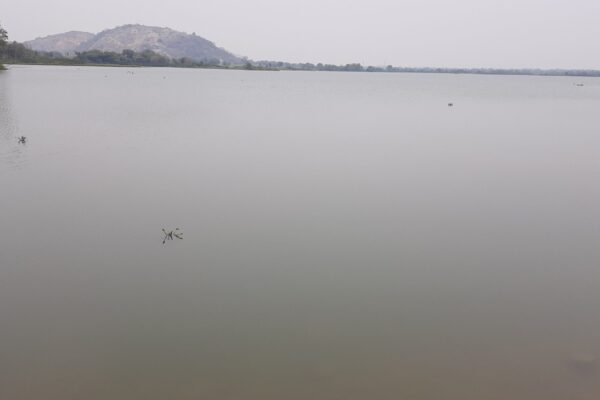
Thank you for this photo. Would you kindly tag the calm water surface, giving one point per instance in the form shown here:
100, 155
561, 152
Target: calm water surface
347, 236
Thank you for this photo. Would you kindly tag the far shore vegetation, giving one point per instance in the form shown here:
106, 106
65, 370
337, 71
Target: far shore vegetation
17, 53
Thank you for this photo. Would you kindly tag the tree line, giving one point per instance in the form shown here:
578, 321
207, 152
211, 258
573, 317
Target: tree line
17, 53
281, 65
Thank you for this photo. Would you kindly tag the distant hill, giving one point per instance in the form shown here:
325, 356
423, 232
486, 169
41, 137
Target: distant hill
61, 43
164, 41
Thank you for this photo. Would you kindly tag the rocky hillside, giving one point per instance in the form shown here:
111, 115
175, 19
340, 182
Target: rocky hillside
63, 42
165, 41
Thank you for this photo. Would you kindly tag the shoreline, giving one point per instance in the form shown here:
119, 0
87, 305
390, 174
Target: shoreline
242, 68
455, 71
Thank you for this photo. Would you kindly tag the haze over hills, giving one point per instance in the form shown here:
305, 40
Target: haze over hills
164, 41
62, 43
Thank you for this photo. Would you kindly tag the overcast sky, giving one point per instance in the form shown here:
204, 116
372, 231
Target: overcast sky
449, 33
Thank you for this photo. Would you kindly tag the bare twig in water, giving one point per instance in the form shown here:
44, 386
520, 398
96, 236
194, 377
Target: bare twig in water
170, 235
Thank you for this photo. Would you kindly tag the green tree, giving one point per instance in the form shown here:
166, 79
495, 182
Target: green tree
3, 36
128, 54
3, 40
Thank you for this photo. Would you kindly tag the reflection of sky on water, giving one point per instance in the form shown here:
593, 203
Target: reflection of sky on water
12, 153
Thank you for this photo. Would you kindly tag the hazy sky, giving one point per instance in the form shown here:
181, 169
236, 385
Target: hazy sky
470, 33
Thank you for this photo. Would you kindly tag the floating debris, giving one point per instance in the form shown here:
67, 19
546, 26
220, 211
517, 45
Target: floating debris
579, 84
450, 104
22, 139
171, 235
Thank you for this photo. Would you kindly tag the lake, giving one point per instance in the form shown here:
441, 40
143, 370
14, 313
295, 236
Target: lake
346, 235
